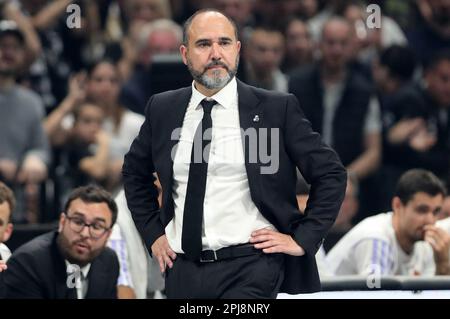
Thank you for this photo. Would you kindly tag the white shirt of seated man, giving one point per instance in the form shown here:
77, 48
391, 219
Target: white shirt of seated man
405, 242
372, 247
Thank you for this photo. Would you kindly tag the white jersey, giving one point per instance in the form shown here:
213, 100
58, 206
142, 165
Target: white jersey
372, 247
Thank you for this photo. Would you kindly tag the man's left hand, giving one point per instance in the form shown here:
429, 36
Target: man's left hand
271, 241
3, 265
439, 240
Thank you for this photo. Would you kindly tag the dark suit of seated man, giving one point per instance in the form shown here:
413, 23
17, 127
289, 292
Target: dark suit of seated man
73, 262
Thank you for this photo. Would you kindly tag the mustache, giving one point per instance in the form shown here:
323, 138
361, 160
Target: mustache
81, 241
216, 63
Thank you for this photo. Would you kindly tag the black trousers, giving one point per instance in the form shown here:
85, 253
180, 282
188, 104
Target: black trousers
256, 276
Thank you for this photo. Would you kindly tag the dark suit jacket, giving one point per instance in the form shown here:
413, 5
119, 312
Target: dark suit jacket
37, 270
273, 194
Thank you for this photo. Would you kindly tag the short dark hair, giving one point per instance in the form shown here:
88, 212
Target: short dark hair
90, 68
9, 27
188, 22
93, 194
79, 108
7, 195
438, 57
418, 180
400, 61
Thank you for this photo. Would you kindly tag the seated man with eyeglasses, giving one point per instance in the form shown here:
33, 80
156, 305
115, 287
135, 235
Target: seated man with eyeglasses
73, 262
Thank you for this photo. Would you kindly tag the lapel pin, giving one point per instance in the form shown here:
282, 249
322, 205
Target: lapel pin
256, 119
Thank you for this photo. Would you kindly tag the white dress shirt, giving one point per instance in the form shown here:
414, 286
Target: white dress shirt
229, 214
81, 279
5, 253
372, 247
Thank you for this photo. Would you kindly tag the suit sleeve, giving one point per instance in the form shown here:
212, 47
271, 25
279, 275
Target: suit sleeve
140, 191
20, 279
115, 266
322, 169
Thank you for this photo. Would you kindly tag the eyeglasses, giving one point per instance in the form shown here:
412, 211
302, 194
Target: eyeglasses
77, 224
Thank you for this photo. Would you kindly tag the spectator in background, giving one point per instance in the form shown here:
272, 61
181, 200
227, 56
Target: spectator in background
299, 46
84, 155
101, 87
342, 106
369, 41
24, 152
72, 263
393, 73
263, 55
308, 9
432, 33
161, 36
417, 123
317, 21
241, 11
138, 13
392, 243
10, 10
62, 48
275, 13
399, 96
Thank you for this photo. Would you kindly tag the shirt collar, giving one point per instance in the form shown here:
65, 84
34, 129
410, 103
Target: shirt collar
84, 270
224, 97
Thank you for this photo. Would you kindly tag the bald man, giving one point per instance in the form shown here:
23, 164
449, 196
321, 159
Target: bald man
229, 225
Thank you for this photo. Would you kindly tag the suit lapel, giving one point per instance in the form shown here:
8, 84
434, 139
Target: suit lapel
178, 105
250, 117
62, 291
97, 277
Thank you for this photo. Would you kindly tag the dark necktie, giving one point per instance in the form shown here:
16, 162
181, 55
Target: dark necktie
191, 238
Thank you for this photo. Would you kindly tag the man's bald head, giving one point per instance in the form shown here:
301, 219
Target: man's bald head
188, 23
336, 25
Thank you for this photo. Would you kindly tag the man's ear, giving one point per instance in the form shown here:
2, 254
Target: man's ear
8, 232
397, 204
183, 52
62, 218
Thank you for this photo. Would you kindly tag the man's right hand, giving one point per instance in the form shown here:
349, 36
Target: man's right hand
163, 253
2, 266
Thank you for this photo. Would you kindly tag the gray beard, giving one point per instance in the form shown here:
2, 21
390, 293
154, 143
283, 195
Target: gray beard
215, 81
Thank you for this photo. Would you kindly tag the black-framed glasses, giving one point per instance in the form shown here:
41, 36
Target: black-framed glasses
96, 229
